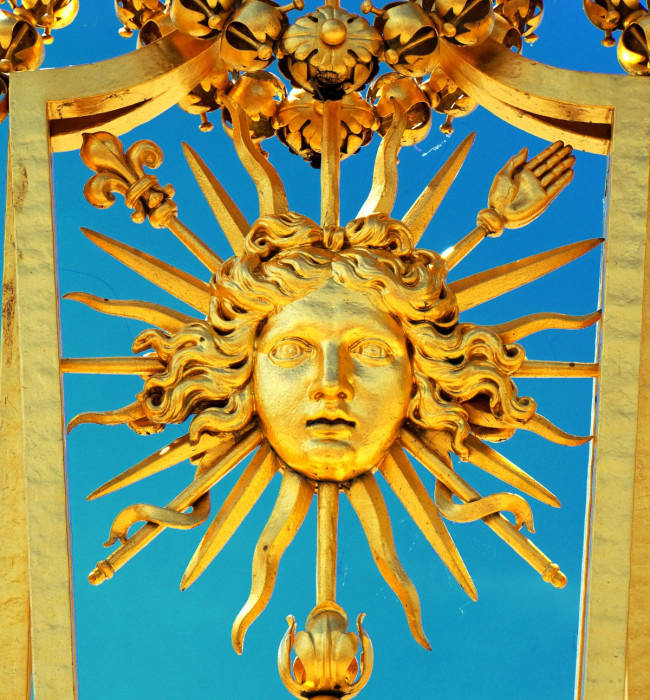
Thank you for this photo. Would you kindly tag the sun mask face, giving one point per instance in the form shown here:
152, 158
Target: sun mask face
332, 383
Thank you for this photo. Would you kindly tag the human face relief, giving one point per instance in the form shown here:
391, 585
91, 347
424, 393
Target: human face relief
332, 382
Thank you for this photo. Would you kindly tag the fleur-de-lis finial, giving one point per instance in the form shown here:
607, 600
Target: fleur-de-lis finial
325, 664
124, 173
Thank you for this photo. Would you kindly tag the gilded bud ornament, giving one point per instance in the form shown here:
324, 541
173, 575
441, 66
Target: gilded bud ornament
330, 52
134, 13
299, 125
447, 98
21, 46
259, 94
633, 48
525, 15
249, 38
155, 28
325, 664
48, 14
465, 22
410, 37
201, 18
611, 15
207, 96
505, 33
392, 87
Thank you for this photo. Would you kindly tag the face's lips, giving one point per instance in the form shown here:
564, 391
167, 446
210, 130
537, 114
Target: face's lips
322, 421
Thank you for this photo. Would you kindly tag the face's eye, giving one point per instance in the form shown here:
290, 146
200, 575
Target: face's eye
289, 351
373, 351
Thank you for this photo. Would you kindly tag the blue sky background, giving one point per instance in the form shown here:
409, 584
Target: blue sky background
137, 635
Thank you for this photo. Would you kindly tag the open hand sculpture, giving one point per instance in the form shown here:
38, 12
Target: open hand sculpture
522, 190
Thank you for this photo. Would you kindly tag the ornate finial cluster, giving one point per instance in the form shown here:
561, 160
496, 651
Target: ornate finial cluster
22, 45
632, 19
331, 54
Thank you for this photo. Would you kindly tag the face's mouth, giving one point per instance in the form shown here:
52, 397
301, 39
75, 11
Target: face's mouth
323, 422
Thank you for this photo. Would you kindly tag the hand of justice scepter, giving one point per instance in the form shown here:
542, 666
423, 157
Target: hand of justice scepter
520, 192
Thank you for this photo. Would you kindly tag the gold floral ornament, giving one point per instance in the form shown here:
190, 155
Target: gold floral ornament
447, 98
330, 52
634, 46
465, 22
207, 96
525, 15
47, 14
21, 46
612, 15
201, 18
325, 664
299, 125
410, 37
134, 13
154, 28
259, 94
393, 87
250, 37
504, 32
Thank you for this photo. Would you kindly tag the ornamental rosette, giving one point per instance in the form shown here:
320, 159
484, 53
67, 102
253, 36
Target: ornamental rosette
330, 52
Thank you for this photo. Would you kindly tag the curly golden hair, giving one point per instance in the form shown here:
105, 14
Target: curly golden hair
209, 363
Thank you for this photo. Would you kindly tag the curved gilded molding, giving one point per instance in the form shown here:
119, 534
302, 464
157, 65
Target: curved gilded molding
552, 103
120, 93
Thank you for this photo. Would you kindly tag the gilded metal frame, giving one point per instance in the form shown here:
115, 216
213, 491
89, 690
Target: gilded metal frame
602, 114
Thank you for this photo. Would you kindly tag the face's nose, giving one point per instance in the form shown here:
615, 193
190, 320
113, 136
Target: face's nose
333, 377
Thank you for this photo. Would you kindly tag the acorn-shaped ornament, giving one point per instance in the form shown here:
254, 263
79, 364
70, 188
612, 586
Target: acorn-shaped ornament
465, 22
134, 13
259, 94
410, 37
634, 46
447, 98
21, 46
391, 87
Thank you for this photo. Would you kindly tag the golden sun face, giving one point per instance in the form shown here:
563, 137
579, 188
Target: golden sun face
332, 381
327, 353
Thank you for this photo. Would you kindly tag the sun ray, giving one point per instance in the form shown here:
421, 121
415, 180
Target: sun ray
167, 517
289, 511
134, 411
213, 466
370, 507
503, 528
226, 212
483, 507
194, 244
270, 190
383, 191
174, 453
419, 216
403, 479
544, 428
493, 462
483, 286
512, 331
178, 283
111, 365
244, 495
550, 368
537, 424
155, 314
